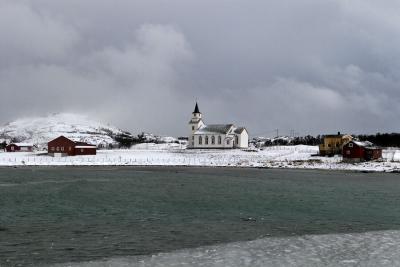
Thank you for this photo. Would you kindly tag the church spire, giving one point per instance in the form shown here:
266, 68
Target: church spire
196, 109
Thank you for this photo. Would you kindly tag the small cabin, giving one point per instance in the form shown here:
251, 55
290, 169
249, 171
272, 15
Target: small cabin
63, 146
19, 147
357, 151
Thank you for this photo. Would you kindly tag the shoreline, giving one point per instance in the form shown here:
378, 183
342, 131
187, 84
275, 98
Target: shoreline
280, 157
192, 167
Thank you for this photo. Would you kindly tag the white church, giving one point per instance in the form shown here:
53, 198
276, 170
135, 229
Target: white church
215, 135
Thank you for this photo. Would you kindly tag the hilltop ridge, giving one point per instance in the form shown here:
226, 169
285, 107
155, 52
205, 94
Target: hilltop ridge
39, 130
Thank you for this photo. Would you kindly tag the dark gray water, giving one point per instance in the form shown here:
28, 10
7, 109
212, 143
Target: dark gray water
50, 215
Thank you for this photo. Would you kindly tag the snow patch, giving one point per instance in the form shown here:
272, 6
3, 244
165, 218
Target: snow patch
360, 249
40, 130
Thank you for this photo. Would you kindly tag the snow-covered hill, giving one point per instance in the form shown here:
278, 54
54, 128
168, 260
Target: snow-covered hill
40, 130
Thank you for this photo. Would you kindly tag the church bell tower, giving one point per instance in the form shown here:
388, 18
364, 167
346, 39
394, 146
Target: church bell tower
195, 123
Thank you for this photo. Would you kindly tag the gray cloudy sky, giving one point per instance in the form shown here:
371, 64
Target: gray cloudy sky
309, 65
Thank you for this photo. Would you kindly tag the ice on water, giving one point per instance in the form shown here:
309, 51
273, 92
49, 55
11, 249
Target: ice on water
359, 249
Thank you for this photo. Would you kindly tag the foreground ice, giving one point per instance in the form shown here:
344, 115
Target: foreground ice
364, 249
176, 155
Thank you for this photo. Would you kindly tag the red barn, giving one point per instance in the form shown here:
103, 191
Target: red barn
62, 146
356, 151
19, 147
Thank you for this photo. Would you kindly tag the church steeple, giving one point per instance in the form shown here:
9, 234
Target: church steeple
196, 109
195, 123
196, 114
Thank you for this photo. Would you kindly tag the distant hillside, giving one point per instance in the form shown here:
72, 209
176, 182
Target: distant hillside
40, 130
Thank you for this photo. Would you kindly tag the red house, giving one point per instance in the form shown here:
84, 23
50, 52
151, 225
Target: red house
356, 151
62, 146
19, 147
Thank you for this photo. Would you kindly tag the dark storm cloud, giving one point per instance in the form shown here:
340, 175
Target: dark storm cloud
308, 65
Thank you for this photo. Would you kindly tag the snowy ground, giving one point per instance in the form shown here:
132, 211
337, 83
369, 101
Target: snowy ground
176, 155
363, 249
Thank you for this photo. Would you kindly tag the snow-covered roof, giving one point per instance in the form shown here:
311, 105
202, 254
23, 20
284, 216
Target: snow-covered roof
239, 130
366, 144
88, 146
22, 144
83, 145
214, 128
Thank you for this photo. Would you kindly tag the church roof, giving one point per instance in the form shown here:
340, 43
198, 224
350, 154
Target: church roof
215, 128
196, 109
239, 130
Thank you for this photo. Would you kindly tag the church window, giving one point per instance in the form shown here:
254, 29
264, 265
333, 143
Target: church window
228, 142
206, 140
192, 128
213, 140
200, 140
236, 139
219, 140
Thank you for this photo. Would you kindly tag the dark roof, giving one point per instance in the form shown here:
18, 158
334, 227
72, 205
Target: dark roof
239, 130
338, 135
76, 143
334, 135
61, 137
196, 109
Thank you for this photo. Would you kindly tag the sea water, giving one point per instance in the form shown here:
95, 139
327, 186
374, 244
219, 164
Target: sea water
121, 216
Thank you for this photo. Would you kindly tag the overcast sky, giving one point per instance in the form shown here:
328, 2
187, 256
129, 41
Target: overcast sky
308, 65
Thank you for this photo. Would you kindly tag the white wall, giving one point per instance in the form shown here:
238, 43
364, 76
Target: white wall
210, 145
243, 140
193, 130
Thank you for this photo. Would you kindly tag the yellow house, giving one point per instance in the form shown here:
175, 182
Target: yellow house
333, 144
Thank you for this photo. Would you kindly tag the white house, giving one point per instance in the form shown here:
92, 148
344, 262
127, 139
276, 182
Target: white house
215, 135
